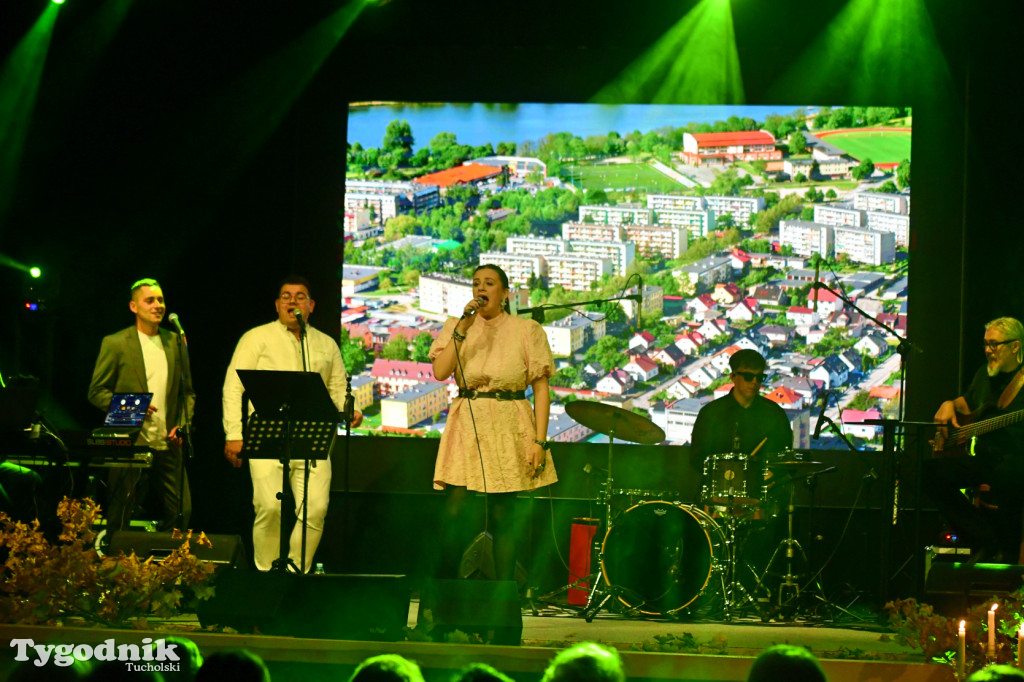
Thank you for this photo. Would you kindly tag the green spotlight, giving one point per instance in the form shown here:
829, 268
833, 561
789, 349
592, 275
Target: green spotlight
856, 56
694, 61
35, 272
58, 2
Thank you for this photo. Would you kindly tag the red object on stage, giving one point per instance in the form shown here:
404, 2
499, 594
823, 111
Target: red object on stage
581, 539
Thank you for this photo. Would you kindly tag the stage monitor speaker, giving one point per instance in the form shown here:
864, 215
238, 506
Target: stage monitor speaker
978, 580
488, 609
356, 607
227, 550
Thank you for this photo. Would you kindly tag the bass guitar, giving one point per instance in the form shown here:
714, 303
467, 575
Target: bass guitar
953, 441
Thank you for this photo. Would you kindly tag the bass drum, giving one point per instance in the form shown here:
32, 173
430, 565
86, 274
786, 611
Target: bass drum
662, 555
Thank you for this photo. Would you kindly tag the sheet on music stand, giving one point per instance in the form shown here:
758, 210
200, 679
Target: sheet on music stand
294, 417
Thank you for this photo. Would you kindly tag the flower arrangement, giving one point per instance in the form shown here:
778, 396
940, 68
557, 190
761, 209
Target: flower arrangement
918, 626
49, 583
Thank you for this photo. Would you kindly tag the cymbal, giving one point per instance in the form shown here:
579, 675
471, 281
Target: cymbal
615, 422
794, 465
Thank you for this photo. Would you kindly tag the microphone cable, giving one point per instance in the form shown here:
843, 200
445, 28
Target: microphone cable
472, 417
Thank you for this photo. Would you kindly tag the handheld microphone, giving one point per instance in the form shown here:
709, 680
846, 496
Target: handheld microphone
480, 300
821, 415
814, 285
298, 318
173, 318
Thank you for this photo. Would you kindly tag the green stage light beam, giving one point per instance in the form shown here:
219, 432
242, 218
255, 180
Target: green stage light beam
695, 61
14, 264
240, 121
19, 87
873, 51
36, 273
73, 67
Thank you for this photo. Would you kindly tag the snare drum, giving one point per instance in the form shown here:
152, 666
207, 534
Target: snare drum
732, 478
662, 554
634, 496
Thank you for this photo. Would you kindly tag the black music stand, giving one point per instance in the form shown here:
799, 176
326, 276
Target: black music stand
295, 418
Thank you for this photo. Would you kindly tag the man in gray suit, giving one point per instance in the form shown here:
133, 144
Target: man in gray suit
146, 359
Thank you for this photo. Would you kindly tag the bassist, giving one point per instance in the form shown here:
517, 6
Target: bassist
994, 396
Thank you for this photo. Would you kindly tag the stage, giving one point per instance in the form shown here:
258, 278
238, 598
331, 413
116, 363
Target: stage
723, 651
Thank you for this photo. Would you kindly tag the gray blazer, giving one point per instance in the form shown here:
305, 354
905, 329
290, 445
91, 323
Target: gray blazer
120, 369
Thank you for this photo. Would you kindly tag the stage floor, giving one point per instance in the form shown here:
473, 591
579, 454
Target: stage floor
741, 637
711, 651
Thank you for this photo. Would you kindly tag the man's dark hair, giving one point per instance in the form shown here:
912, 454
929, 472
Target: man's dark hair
480, 672
586, 662
294, 279
233, 664
387, 668
747, 358
786, 662
191, 659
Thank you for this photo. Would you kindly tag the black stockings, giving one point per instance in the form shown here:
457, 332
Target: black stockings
458, 529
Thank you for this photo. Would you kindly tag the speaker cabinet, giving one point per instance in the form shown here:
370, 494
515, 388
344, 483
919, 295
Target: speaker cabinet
978, 580
358, 607
488, 609
227, 549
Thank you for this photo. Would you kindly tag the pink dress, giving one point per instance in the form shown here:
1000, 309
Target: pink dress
503, 354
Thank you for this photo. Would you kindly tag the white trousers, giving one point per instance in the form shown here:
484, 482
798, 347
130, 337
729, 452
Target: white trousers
266, 531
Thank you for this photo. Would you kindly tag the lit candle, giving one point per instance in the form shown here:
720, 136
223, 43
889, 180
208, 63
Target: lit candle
992, 632
1020, 646
962, 651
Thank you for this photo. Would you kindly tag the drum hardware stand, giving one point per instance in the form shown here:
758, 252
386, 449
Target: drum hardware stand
788, 595
589, 611
607, 593
612, 422
594, 579
734, 594
788, 591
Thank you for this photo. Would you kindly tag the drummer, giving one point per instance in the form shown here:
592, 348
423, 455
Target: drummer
739, 421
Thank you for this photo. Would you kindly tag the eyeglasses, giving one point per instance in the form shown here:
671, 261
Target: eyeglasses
750, 376
992, 345
298, 298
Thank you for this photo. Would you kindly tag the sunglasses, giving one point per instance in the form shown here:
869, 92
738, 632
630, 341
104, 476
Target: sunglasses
750, 376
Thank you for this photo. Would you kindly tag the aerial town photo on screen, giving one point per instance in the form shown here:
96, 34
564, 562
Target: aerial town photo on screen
715, 223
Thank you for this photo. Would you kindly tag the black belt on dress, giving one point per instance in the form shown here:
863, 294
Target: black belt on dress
472, 394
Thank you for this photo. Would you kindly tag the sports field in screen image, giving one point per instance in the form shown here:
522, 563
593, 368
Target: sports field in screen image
881, 146
620, 176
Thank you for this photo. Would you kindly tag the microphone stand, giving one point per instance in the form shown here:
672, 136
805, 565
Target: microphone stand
903, 345
349, 415
892, 441
186, 441
537, 312
834, 428
303, 340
